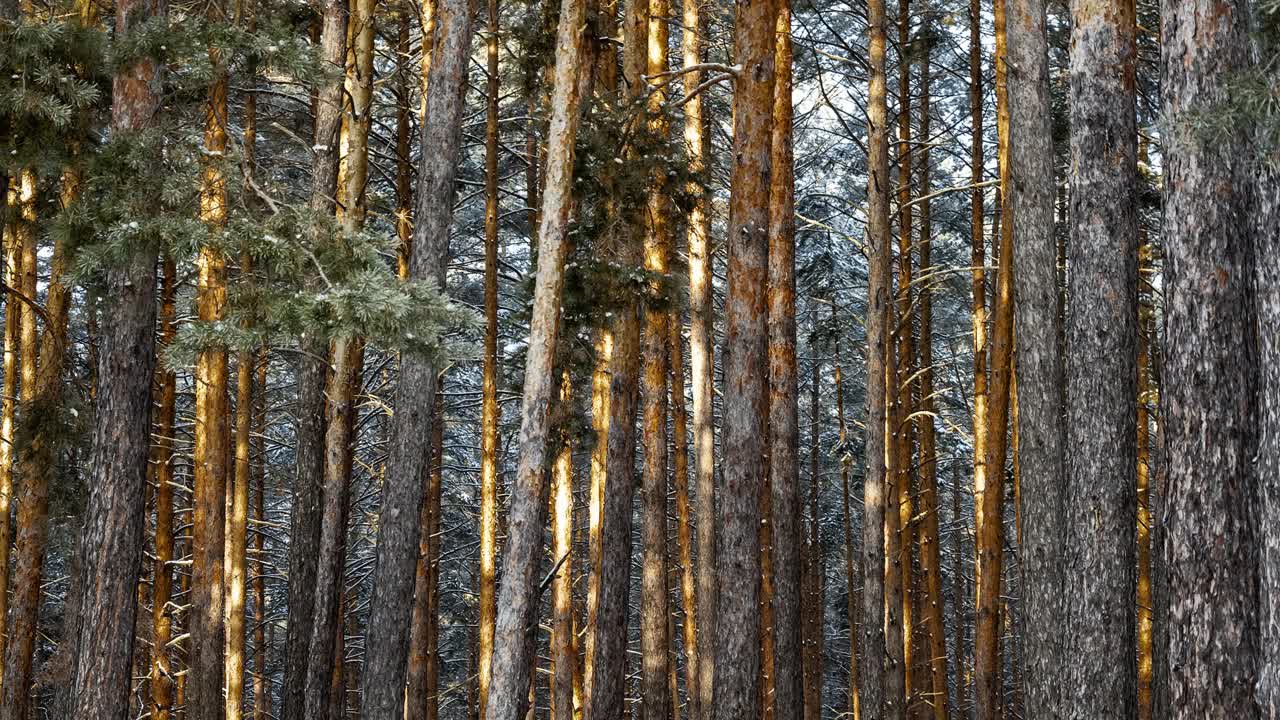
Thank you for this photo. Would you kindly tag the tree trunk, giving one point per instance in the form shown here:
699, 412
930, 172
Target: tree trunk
261, 642
391, 607
989, 498
960, 591
654, 643
1042, 506
783, 420
511, 659
813, 609
1145, 604
875, 496
604, 681
8, 414
737, 680
684, 519
1267, 243
1209, 400
208, 592
930, 550
111, 541
701, 342
1101, 410
162, 614
490, 410
851, 566
563, 654
304, 547
238, 522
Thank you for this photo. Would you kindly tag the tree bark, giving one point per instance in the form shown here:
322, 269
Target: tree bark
563, 653
163, 618
111, 541
737, 680
875, 496
783, 419
684, 519
1101, 411
1268, 288
851, 565
511, 659
1209, 400
1042, 482
391, 608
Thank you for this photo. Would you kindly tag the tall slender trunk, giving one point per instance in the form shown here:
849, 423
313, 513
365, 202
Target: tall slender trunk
305, 534
511, 659
875, 496
783, 420
208, 591
1211, 375
1102, 401
606, 663
737, 679
238, 521
162, 611
903, 430
684, 514
1042, 508
988, 672
851, 563
490, 410
261, 641
959, 591
1142, 486
40, 397
398, 537
930, 551
813, 608
8, 410
111, 541
563, 655
701, 366
654, 642
897, 517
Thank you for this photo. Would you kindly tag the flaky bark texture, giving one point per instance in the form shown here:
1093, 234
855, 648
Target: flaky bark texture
511, 653
1210, 374
737, 639
387, 644
784, 429
1101, 451
111, 541
875, 499
1039, 361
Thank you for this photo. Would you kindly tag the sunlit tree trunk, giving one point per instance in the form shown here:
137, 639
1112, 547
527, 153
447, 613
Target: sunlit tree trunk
701, 369
875, 491
989, 511
1209, 409
8, 409
261, 677
40, 397
684, 513
563, 656
1100, 451
606, 663
490, 410
654, 643
208, 592
162, 612
238, 524
112, 538
511, 659
783, 420
737, 639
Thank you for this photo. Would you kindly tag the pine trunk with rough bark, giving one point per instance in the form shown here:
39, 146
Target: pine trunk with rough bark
875, 491
1211, 377
387, 645
511, 652
1042, 482
112, 538
783, 420
163, 617
1100, 452
737, 640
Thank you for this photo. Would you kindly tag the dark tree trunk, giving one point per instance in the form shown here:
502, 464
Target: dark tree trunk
737, 642
1101, 448
387, 644
111, 541
1040, 369
1209, 402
